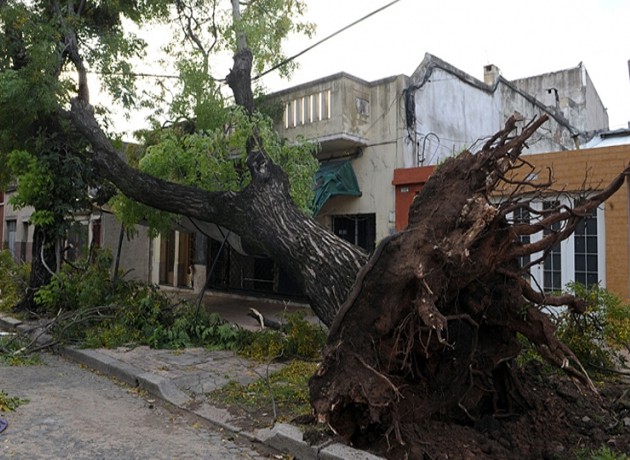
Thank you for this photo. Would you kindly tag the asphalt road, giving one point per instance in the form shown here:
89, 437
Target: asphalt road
73, 413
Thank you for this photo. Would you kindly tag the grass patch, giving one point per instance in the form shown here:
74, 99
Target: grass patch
8, 403
289, 387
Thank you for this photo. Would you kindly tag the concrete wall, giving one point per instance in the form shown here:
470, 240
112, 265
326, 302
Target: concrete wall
595, 169
462, 111
451, 113
573, 93
368, 116
135, 253
23, 230
447, 110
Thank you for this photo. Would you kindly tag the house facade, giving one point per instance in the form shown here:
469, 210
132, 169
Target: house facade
358, 122
392, 130
17, 233
377, 144
599, 250
99, 228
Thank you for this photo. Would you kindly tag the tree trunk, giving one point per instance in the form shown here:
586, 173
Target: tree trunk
44, 257
322, 264
430, 329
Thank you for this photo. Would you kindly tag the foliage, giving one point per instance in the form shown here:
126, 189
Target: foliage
299, 339
288, 386
597, 335
95, 311
214, 160
99, 311
190, 329
41, 148
12, 352
202, 31
13, 280
10, 403
266, 24
603, 453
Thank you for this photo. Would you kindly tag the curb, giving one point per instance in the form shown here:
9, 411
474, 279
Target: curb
282, 437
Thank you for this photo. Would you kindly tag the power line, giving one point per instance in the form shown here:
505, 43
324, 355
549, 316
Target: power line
295, 56
275, 67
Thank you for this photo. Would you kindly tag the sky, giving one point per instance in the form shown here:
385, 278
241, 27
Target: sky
521, 38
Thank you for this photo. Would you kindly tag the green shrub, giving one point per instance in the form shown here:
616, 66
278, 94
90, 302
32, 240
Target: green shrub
190, 329
13, 280
603, 453
597, 335
98, 312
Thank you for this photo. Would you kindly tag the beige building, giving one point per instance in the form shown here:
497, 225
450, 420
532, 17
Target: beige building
352, 119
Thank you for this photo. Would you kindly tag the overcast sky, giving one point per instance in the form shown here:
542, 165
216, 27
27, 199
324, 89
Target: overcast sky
521, 38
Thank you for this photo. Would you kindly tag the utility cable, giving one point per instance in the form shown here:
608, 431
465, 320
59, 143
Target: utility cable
343, 29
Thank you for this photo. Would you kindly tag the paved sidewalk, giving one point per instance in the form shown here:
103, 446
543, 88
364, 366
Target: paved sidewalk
181, 377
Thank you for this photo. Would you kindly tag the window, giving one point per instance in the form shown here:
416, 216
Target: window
552, 265
363, 106
586, 252
358, 229
521, 216
24, 245
580, 258
11, 237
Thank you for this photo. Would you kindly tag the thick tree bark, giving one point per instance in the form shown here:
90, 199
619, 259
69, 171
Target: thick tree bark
321, 263
430, 328
44, 262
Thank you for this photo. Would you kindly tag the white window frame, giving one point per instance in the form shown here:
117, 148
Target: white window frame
567, 251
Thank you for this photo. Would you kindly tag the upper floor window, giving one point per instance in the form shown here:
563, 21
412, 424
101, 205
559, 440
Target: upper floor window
363, 106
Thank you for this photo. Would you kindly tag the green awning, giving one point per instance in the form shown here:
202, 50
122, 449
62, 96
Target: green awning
334, 178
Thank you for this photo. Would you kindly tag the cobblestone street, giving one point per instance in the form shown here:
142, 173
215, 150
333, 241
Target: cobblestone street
73, 413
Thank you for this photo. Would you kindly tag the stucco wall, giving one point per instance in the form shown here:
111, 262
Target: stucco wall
596, 168
456, 112
135, 253
380, 130
577, 97
23, 231
462, 111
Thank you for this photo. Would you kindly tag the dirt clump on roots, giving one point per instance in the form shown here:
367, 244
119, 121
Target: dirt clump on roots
562, 421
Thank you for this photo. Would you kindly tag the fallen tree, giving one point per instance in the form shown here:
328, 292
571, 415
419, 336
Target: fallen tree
430, 331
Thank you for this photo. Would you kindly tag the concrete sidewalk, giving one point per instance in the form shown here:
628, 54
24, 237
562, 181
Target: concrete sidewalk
182, 377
